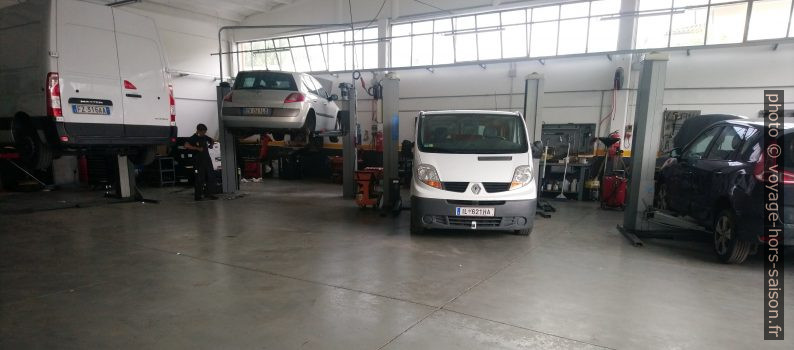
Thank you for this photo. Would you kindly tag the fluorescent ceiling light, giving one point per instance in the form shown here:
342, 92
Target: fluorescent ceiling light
473, 31
643, 14
122, 3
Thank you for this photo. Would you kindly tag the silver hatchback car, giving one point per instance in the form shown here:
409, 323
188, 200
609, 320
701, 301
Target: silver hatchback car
280, 103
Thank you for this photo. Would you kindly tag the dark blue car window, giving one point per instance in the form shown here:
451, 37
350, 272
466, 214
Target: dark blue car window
698, 148
751, 150
728, 142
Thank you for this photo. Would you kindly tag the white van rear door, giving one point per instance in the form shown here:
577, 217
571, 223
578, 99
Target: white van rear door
144, 86
88, 68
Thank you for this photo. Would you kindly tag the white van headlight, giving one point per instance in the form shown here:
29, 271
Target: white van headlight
521, 177
428, 175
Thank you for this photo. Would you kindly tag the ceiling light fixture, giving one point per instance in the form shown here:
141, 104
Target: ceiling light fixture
122, 3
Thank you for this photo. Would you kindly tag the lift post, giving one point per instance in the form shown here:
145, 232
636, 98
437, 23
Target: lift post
533, 111
647, 128
349, 155
391, 132
228, 146
127, 186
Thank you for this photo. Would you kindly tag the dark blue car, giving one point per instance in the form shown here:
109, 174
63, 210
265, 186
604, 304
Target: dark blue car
717, 179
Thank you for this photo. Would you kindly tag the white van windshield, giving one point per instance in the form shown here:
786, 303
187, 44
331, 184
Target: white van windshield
471, 134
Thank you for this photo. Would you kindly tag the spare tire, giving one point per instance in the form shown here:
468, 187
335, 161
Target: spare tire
34, 153
145, 155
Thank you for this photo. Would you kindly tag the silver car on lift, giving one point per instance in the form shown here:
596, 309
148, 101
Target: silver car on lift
281, 103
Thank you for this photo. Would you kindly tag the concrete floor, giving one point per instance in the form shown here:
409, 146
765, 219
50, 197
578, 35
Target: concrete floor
292, 265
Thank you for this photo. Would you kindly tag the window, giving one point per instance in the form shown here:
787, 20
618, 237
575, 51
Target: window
603, 34
312, 52
697, 149
751, 150
464, 38
471, 134
316, 52
769, 19
530, 32
653, 31
401, 45
665, 23
300, 54
791, 27
443, 46
265, 81
320, 89
543, 38
729, 141
514, 34
422, 43
489, 38
726, 24
688, 28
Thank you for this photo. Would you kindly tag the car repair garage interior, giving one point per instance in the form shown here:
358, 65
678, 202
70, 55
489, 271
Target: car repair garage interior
396, 174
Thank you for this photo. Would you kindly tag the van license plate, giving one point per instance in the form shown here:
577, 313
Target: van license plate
469, 211
88, 109
256, 111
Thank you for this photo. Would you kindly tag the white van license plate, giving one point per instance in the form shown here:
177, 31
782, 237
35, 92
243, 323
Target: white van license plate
88, 109
474, 211
256, 111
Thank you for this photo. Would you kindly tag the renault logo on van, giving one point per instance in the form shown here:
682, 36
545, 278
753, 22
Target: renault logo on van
475, 189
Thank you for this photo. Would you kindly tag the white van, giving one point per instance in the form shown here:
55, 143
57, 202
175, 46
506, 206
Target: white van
76, 75
472, 170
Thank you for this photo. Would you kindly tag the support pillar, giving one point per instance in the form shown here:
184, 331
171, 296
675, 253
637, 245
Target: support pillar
645, 144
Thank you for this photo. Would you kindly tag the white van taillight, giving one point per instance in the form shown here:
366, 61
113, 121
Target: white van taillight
228, 97
295, 97
54, 97
172, 104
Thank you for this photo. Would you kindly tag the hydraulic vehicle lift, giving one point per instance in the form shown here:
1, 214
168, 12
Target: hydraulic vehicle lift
641, 219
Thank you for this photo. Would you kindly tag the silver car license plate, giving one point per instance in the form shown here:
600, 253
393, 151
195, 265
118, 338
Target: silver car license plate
256, 111
474, 211
89, 109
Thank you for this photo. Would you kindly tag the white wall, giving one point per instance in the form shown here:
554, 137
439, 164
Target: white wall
189, 40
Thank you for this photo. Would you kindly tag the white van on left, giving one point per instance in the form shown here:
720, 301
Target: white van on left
76, 75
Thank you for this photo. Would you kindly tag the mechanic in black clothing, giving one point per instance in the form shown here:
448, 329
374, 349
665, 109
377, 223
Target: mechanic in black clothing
199, 144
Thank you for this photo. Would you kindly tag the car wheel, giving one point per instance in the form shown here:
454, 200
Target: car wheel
278, 136
35, 153
416, 224
337, 127
308, 127
729, 248
663, 198
145, 156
